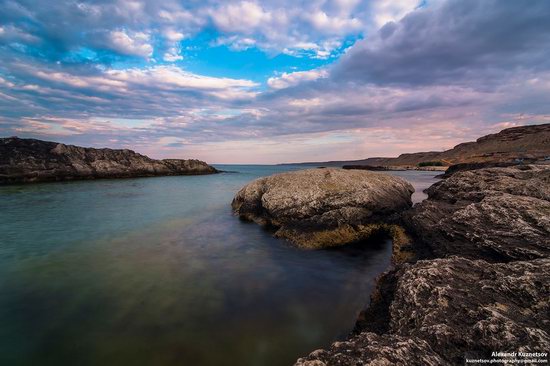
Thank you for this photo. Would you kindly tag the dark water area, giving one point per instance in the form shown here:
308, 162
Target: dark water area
157, 271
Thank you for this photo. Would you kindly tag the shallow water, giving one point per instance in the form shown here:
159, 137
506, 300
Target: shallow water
157, 271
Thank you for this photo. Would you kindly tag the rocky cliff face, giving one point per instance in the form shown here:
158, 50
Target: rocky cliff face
318, 208
482, 286
29, 160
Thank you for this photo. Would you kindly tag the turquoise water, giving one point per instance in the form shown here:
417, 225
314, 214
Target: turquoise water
157, 271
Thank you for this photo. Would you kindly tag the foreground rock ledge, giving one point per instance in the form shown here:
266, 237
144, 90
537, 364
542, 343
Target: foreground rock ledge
318, 208
444, 310
482, 287
30, 160
497, 214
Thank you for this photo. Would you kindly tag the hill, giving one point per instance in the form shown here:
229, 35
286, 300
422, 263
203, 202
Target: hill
528, 143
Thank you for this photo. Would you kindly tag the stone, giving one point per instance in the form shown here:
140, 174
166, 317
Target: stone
318, 208
30, 160
443, 310
482, 286
497, 214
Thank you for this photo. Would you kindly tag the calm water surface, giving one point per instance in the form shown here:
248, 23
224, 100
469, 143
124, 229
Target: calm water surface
157, 271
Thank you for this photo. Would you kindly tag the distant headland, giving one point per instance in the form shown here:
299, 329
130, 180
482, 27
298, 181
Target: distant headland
30, 160
527, 144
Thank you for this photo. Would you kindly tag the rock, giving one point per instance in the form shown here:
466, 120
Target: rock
497, 214
371, 167
372, 349
445, 309
29, 160
490, 164
483, 285
317, 208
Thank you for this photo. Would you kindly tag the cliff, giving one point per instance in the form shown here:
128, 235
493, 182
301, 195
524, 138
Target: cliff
30, 160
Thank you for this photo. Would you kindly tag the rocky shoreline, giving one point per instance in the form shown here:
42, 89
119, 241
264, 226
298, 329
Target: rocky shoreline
477, 282
396, 168
30, 161
471, 263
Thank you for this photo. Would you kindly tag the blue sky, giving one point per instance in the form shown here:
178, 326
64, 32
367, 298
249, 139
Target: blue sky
272, 81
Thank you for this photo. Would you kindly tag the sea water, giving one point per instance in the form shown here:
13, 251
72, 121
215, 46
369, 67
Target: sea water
158, 271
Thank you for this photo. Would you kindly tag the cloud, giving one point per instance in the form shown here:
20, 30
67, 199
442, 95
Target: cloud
122, 26
243, 17
454, 42
134, 44
294, 78
385, 11
11, 33
81, 93
173, 35
333, 25
431, 76
172, 55
288, 28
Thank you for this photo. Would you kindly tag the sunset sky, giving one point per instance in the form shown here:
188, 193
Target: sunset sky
272, 81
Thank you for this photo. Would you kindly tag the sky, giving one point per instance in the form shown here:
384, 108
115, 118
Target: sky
272, 81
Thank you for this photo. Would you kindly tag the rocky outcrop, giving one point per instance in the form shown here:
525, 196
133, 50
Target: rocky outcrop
490, 164
482, 286
446, 310
375, 168
318, 208
394, 168
496, 214
29, 160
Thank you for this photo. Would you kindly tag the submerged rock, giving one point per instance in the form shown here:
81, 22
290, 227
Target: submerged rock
318, 208
497, 214
30, 160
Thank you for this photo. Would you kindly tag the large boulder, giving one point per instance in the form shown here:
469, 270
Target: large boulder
498, 214
317, 208
446, 310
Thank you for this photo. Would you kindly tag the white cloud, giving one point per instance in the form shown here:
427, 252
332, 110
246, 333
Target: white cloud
333, 25
385, 11
241, 17
167, 78
313, 30
236, 43
294, 78
173, 35
305, 103
172, 55
170, 77
133, 44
